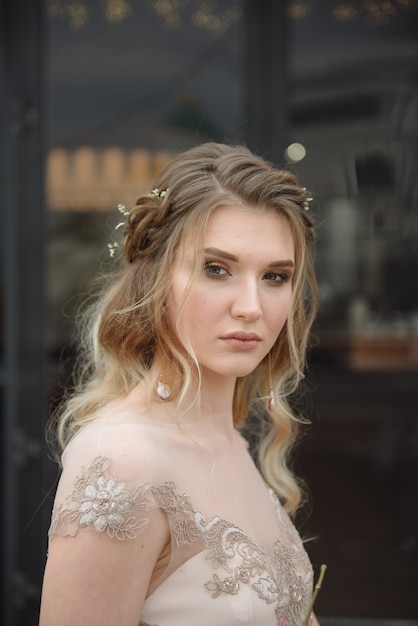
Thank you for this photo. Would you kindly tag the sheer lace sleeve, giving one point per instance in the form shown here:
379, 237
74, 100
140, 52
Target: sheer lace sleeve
106, 485
101, 502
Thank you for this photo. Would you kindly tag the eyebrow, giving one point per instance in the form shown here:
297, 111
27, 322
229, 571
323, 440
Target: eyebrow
231, 257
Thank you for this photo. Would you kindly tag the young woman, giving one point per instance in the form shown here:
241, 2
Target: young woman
162, 518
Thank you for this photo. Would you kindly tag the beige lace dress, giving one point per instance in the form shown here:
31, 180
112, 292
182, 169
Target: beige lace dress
216, 573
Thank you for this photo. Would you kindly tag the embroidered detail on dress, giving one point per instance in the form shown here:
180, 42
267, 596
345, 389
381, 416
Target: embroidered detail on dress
228, 585
102, 503
267, 589
284, 577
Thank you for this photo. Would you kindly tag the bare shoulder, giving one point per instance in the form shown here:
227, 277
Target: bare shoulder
133, 448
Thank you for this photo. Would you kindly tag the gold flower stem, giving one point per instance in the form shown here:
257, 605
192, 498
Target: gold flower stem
305, 620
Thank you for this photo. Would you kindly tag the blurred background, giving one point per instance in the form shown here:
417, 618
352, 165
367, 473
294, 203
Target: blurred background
96, 96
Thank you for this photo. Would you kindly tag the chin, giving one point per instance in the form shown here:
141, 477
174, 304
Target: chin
236, 368
238, 372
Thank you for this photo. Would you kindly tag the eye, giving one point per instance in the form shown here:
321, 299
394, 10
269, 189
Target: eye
215, 271
277, 277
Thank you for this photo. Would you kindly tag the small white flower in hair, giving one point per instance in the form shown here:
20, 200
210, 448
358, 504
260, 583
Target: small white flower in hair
159, 194
115, 245
307, 200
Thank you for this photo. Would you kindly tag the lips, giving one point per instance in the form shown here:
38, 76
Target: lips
241, 340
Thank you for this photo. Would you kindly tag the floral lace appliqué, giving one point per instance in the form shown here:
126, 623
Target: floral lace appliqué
102, 503
283, 577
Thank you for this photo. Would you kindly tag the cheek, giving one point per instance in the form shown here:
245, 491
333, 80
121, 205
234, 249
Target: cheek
279, 317
280, 323
198, 311
195, 315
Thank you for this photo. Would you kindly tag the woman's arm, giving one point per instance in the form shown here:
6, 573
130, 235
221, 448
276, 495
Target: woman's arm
95, 580
107, 531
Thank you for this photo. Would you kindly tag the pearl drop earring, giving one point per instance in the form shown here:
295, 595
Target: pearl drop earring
163, 390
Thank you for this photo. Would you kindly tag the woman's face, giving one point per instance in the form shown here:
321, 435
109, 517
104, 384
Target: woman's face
240, 301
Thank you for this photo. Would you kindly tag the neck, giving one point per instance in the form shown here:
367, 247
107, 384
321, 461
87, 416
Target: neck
210, 403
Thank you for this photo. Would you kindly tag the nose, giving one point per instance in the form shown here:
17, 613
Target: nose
246, 302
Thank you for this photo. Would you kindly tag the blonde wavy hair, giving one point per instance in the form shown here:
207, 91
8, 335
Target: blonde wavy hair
126, 334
